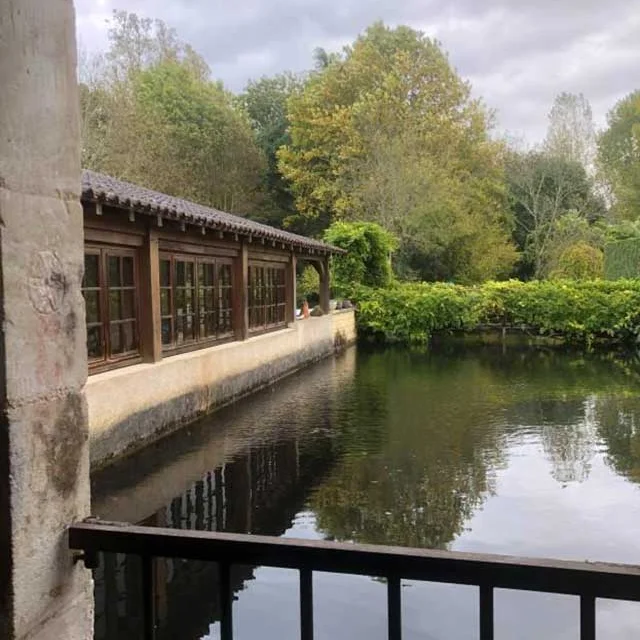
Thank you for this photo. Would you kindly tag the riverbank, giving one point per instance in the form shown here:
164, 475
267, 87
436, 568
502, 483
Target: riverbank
577, 312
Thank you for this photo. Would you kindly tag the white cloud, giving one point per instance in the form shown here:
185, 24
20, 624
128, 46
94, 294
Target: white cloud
518, 54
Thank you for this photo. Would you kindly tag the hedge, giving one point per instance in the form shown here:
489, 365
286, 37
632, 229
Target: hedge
578, 311
622, 259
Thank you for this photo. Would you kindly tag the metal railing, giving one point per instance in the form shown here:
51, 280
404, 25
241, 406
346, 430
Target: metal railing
586, 580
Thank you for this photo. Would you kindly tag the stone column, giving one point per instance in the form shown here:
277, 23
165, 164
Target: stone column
44, 455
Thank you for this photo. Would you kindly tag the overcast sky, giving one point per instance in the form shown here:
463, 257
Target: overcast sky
518, 54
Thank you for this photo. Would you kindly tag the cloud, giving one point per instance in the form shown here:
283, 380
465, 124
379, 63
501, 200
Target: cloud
518, 54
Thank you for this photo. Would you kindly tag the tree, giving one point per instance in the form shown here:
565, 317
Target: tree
542, 190
153, 116
265, 102
388, 132
368, 257
619, 156
571, 133
576, 249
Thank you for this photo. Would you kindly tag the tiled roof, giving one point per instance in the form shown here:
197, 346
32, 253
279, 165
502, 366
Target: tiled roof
103, 188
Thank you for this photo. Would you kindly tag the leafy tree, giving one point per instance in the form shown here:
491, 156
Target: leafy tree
368, 258
619, 155
388, 132
152, 116
571, 133
265, 102
542, 190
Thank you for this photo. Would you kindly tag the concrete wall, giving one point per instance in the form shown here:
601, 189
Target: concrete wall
44, 454
132, 406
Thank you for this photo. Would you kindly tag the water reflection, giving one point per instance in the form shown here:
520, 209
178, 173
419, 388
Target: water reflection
525, 451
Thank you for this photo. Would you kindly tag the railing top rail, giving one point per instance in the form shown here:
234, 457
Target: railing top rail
598, 579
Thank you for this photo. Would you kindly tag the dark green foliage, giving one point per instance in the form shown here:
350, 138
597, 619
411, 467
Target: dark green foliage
578, 311
622, 259
368, 258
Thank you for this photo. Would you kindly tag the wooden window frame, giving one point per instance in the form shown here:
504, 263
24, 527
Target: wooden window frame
268, 303
109, 361
199, 341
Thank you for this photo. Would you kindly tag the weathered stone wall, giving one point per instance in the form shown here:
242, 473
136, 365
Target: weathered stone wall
344, 328
129, 407
44, 461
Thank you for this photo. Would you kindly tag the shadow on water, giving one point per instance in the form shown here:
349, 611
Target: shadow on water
525, 451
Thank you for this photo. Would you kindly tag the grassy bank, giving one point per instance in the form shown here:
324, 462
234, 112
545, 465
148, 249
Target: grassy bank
581, 312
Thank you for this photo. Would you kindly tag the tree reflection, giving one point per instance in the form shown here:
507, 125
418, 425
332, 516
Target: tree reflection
619, 427
417, 481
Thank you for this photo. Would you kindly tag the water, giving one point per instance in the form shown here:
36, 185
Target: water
516, 451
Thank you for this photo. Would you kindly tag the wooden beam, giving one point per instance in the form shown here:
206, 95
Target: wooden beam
290, 291
325, 286
150, 329
241, 293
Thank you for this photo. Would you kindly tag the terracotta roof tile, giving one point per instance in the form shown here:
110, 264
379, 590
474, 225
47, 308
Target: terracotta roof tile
103, 188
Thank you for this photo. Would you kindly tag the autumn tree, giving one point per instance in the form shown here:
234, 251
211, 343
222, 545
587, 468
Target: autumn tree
387, 132
619, 156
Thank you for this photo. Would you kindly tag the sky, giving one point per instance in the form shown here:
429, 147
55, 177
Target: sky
517, 54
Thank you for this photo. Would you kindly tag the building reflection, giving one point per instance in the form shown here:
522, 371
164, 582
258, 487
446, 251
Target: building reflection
258, 492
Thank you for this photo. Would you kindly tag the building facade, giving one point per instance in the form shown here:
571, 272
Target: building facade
187, 309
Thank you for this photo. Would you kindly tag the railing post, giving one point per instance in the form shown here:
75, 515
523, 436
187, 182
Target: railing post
587, 617
148, 598
306, 604
226, 602
394, 604
486, 612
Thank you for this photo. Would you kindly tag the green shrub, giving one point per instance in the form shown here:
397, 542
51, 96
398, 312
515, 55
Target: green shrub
308, 286
579, 311
368, 258
580, 261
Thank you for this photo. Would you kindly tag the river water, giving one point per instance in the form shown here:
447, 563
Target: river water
518, 451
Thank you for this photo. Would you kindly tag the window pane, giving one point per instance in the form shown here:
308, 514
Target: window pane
114, 305
209, 274
129, 336
188, 274
165, 273
128, 304
92, 305
179, 273
165, 302
166, 331
116, 339
91, 278
127, 271
94, 342
114, 271
179, 301
179, 337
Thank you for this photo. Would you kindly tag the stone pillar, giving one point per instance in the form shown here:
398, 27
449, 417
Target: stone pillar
44, 454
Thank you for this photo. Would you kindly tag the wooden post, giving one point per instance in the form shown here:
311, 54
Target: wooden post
241, 293
150, 329
325, 293
290, 293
